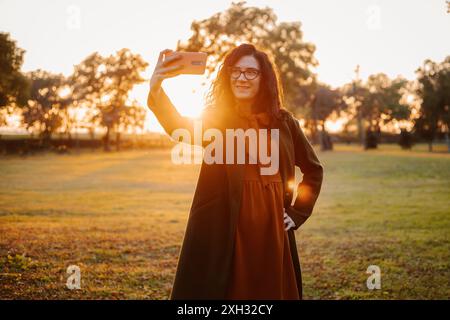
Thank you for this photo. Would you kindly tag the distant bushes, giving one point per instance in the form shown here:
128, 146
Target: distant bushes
24, 146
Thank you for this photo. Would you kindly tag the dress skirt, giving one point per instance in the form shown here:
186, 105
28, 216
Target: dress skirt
262, 266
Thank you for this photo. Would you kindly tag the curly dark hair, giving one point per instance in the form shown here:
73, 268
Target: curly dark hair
270, 95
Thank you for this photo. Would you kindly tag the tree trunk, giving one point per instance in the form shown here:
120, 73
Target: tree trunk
77, 139
447, 139
117, 141
92, 137
314, 132
314, 123
45, 136
325, 139
46, 139
430, 146
361, 131
106, 140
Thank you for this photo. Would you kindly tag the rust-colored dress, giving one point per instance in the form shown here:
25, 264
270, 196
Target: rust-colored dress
262, 266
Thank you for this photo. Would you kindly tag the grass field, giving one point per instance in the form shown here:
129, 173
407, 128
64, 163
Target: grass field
121, 217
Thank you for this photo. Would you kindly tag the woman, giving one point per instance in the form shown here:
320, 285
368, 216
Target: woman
239, 241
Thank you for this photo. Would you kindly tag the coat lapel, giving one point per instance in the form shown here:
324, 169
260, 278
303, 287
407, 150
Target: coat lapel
235, 172
287, 168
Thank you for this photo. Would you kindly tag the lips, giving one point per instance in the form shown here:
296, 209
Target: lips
242, 87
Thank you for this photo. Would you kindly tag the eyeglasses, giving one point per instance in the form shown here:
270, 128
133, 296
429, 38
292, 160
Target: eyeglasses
249, 74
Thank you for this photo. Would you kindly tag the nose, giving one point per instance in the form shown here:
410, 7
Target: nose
241, 77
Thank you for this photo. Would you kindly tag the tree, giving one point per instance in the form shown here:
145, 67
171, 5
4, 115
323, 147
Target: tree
131, 117
383, 103
434, 91
13, 84
284, 41
406, 140
326, 101
377, 102
103, 84
354, 94
45, 105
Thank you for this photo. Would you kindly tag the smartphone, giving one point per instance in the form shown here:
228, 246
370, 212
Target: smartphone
192, 62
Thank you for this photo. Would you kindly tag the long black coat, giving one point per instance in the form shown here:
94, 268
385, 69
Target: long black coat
206, 255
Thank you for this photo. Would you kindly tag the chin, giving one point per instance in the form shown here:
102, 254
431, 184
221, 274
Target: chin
243, 97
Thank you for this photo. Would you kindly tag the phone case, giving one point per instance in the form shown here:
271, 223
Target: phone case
192, 62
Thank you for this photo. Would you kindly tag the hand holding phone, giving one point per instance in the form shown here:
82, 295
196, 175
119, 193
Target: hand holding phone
170, 64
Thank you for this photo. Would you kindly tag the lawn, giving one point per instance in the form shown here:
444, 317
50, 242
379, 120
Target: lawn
121, 216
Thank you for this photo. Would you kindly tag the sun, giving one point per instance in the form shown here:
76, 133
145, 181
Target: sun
185, 91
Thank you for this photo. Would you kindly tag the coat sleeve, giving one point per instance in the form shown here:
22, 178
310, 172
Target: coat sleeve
170, 119
309, 188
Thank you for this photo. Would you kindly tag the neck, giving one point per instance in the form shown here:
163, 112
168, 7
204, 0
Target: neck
245, 105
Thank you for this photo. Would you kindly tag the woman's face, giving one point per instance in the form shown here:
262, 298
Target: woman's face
243, 88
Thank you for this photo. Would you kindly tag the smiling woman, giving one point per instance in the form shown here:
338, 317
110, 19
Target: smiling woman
239, 241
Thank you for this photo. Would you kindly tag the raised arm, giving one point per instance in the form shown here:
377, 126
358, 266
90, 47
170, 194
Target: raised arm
157, 100
166, 113
309, 188
160, 104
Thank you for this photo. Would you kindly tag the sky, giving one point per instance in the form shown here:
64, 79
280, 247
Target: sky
393, 37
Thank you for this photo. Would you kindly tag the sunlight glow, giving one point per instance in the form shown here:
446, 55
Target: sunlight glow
185, 91
65, 92
334, 126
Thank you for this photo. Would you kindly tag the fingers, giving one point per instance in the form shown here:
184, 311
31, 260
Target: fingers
161, 71
171, 58
169, 69
164, 73
288, 222
164, 59
162, 53
169, 72
289, 225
